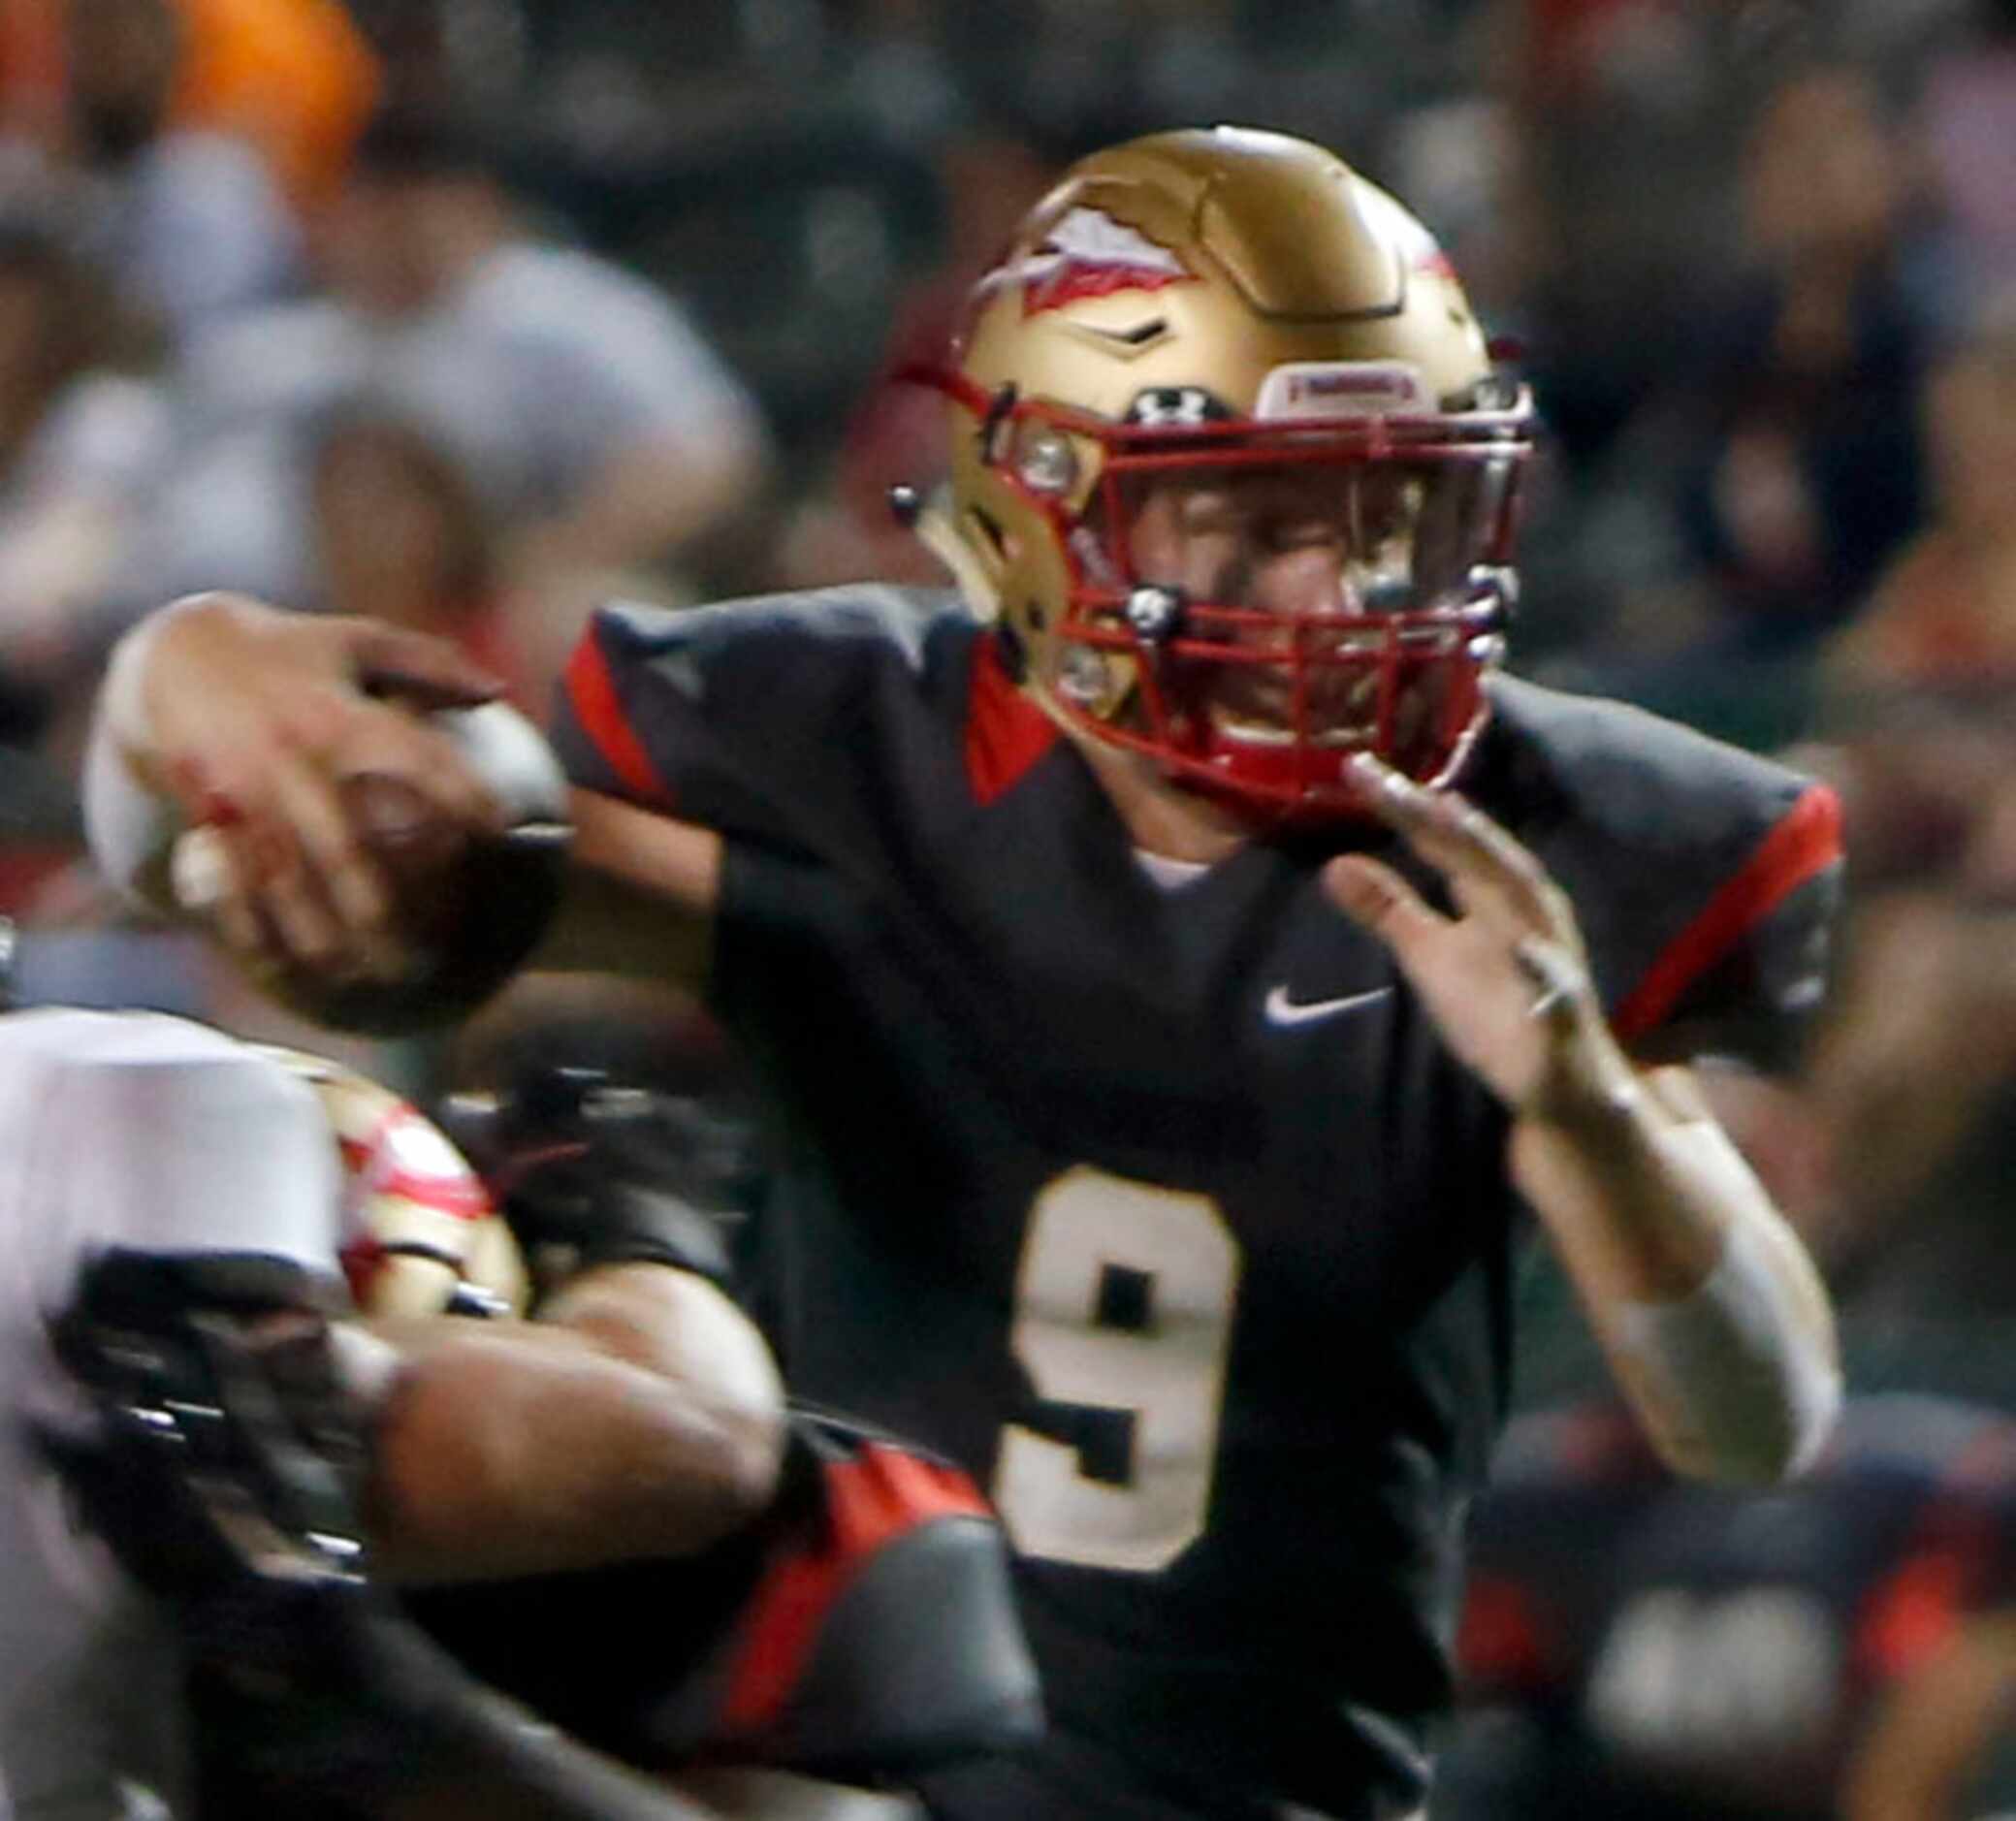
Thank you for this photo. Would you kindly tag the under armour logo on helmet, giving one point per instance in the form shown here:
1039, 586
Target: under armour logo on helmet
1173, 407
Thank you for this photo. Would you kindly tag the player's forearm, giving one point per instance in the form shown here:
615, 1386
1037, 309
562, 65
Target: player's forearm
512, 1448
1708, 1307
629, 513
640, 895
1931, 1733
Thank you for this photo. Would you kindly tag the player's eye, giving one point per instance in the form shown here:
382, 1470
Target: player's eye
1211, 514
1283, 534
1387, 508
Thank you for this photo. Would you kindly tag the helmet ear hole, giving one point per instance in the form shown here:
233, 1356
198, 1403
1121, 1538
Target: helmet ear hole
989, 527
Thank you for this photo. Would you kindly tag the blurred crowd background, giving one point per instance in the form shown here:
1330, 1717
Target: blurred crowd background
469, 312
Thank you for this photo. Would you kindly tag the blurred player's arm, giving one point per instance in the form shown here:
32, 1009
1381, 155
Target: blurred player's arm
640, 897
1707, 1305
1931, 1733
628, 514
640, 1415
657, 443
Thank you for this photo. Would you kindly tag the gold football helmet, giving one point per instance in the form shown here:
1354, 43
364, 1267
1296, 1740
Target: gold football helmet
1235, 469
424, 1236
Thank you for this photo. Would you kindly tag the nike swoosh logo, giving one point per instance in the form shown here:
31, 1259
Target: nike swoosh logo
1285, 1012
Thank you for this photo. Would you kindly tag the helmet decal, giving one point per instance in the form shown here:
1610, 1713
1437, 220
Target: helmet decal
1087, 253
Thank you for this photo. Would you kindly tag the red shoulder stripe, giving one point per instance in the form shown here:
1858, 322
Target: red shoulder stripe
872, 1498
1804, 843
592, 693
1005, 733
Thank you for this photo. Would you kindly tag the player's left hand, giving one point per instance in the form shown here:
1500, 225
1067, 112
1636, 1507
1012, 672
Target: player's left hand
1506, 977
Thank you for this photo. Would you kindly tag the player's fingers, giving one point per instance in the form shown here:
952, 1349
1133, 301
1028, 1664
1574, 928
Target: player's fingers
289, 892
388, 742
1485, 864
207, 883
1377, 898
336, 865
421, 670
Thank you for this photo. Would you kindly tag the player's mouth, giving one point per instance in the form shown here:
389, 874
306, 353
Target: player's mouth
1255, 705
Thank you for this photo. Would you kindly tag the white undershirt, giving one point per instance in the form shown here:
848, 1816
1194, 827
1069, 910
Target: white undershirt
1170, 874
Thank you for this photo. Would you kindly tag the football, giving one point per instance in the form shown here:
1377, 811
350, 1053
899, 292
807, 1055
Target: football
466, 907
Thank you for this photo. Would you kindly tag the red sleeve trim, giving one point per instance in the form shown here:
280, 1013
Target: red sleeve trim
592, 693
1005, 733
872, 1498
1804, 843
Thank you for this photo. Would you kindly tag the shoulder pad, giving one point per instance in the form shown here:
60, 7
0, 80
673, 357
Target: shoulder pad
881, 1638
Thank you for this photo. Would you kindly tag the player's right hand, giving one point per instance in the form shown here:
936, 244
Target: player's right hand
251, 718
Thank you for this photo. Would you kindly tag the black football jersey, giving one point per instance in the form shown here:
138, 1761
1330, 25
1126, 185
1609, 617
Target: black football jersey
1161, 1207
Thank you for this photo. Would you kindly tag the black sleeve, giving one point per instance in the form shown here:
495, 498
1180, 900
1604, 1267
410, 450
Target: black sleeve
645, 712
1706, 878
771, 719
1759, 1000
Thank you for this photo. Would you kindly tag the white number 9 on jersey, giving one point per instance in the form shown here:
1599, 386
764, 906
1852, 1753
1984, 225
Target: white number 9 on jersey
1166, 1368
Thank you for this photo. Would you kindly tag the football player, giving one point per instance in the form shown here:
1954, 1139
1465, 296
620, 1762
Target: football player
1634, 1645
1184, 965
210, 1172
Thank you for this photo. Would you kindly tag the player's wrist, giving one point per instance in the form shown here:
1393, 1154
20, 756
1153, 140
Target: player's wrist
131, 818
1593, 1095
125, 710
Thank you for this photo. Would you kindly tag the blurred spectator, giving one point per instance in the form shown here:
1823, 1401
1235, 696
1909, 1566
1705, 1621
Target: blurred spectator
1638, 1648
602, 429
1913, 1081
80, 427
1747, 508
897, 434
293, 78
1942, 616
190, 216
1967, 136
401, 532
1806, 472
1626, 112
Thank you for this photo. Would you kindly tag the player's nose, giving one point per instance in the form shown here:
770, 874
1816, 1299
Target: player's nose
1307, 582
